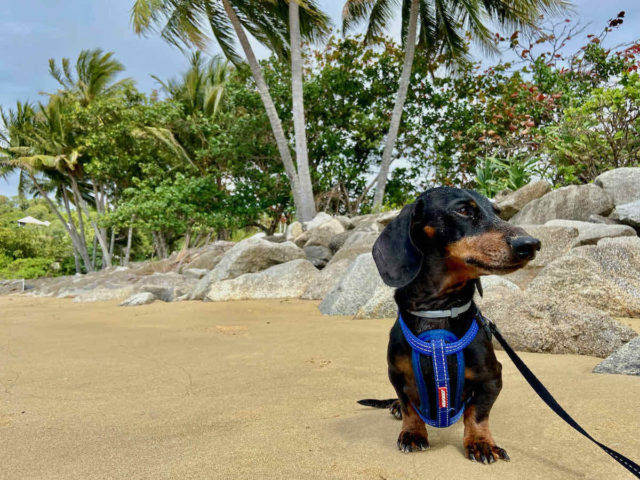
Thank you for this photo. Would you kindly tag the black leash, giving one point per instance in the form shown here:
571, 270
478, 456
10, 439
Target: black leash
544, 394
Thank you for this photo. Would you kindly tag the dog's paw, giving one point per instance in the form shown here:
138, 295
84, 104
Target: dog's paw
395, 410
409, 441
484, 452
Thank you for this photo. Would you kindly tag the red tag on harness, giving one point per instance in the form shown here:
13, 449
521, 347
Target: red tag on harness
443, 397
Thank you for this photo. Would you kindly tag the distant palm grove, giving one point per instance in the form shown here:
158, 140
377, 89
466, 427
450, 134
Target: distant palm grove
331, 122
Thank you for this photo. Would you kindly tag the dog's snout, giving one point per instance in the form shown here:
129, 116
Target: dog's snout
524, 248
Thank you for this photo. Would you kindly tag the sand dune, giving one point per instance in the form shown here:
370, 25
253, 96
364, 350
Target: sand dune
263, 390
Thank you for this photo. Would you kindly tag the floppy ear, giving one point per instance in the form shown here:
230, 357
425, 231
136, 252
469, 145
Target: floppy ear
397, 258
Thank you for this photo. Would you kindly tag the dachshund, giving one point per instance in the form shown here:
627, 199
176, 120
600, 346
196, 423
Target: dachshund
434, 253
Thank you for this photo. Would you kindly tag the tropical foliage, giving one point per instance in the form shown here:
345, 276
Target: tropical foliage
124, 175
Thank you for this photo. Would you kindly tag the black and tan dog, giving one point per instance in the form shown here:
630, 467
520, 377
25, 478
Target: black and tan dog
434, 253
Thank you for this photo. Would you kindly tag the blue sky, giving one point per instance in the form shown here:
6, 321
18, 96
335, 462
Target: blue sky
33, 31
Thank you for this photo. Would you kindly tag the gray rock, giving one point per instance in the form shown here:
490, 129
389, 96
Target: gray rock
276, 238
556, 241
492, 281
631, 242
167, 287
624, 361
302, 239
628, 213
293, 230
105, 294
137, 299
345, 221
354, 289
600, 219
501, 195
322, 235
604, 277
319, 219
248, 256
382, 219
513, 202
590, 233
318, 255
338, 241
358, 243
326, 280
196, 273
210, 256
623, 184
380, 305
575, 202
286, 280
553, 324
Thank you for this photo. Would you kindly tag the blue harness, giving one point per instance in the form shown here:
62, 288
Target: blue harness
439, 344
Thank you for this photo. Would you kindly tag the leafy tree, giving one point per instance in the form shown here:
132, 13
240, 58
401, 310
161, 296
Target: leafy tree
441, 32
182, 24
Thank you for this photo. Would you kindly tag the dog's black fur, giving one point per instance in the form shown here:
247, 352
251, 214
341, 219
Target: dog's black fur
434, 253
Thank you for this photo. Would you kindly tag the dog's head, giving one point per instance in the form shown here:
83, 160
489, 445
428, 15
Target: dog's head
454, 233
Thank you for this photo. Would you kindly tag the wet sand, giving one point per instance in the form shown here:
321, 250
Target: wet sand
264, 390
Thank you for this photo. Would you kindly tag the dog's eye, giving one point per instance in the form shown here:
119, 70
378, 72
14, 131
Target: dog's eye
465, 211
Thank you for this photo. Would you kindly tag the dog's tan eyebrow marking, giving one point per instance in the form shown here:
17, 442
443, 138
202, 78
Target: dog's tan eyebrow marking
429, 231
473, 204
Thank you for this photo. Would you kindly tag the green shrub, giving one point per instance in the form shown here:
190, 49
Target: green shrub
27, 268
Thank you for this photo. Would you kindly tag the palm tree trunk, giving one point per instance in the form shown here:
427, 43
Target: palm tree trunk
67, 225
396, 116
307, 210
272, 113
127, 252
106, 258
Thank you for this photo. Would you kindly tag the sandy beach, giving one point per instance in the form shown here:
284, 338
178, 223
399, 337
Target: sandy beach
264, 390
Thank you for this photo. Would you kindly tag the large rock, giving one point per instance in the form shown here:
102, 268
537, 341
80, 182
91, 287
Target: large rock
575, 202
381, 304
322, 235
552, 325
248, 256
137, 299
286, 280
589, 233
168, 287
624, 361
556, 241
380, 220
354, 289
512, 203
605, 277
623, 184
210, 256
628, 213
319, 219
103, 294
361, 241
338, 241
326, 280
293, 230
318, 255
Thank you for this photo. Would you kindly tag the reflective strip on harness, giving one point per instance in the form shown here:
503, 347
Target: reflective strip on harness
439, 344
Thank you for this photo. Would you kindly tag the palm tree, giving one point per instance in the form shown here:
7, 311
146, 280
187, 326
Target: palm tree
188, 24
443, 24
202, 87
22, 132
94, 75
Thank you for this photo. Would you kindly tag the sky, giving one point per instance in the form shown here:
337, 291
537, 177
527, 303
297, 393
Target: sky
32, 31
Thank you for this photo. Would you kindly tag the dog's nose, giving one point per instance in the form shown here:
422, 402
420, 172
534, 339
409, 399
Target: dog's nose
524, 247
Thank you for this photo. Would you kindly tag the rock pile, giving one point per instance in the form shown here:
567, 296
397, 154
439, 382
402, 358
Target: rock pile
565, 301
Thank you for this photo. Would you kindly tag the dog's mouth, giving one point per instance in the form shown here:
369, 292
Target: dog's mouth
496, 268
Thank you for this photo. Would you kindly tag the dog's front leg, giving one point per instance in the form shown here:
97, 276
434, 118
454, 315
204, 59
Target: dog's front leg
413, 436
478, 441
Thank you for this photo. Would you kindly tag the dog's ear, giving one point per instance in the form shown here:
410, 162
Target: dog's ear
397, 258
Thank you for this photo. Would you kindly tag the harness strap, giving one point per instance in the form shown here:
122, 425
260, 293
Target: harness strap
439, 344
547, 398
425, 348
